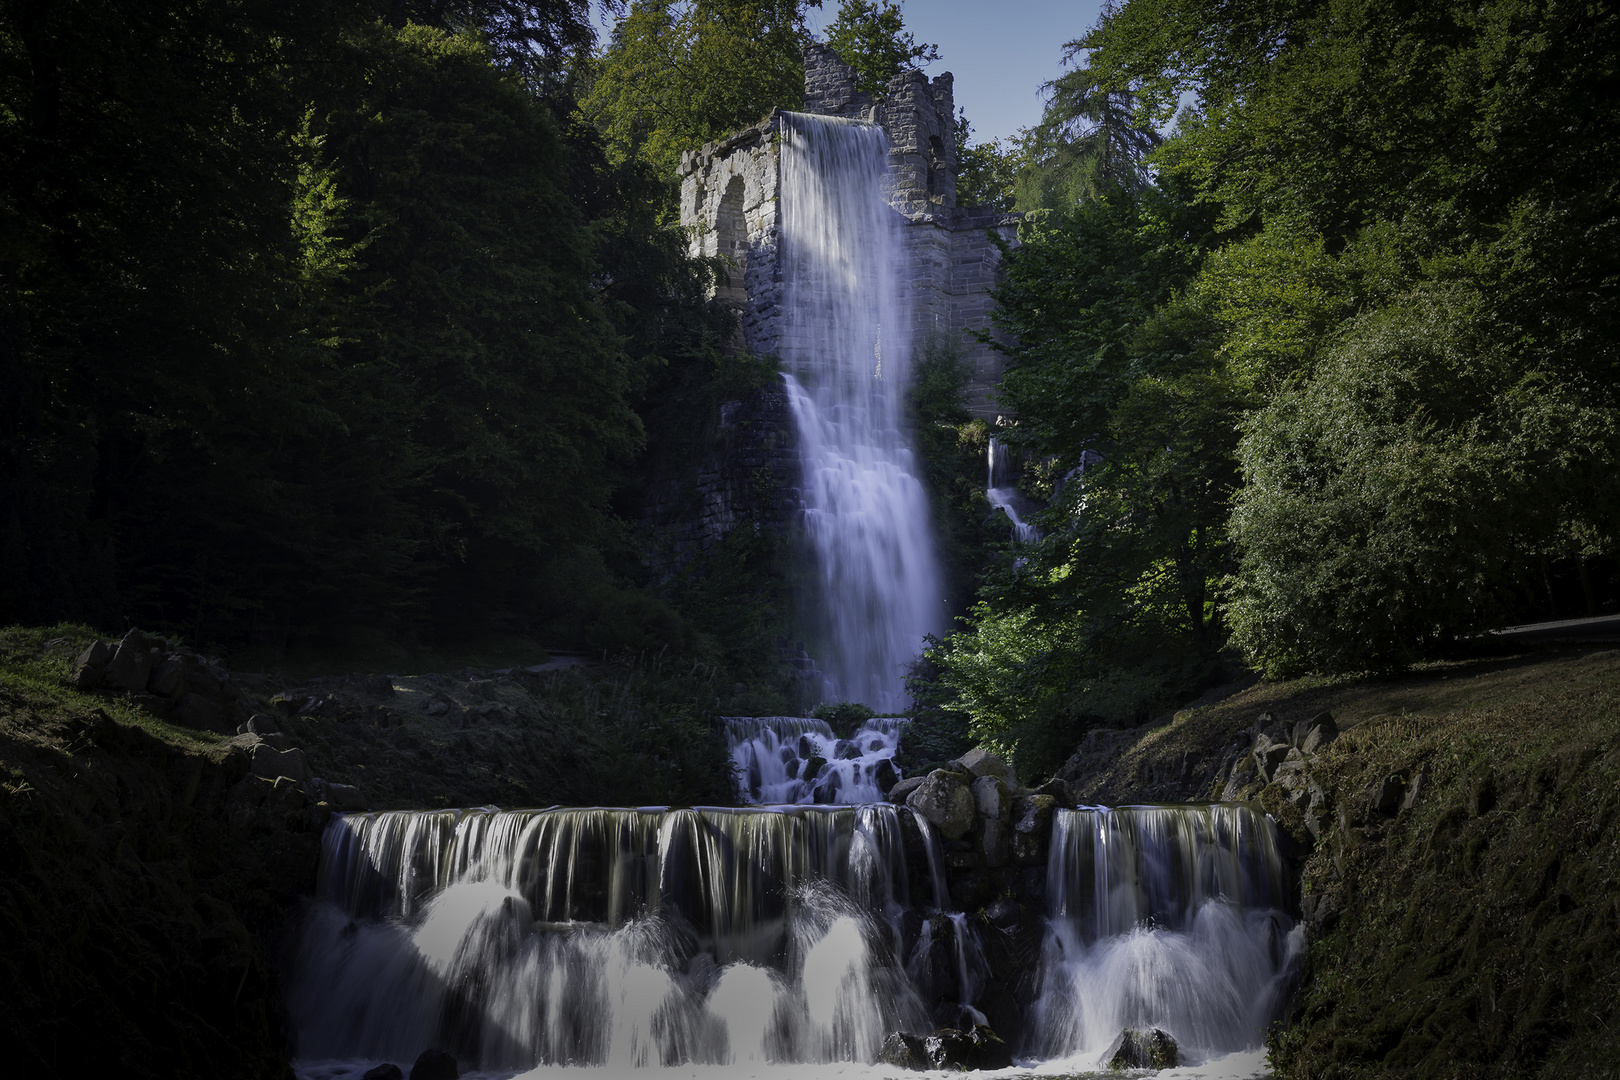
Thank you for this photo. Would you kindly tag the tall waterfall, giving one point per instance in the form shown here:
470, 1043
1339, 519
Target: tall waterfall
847, 344
754, 937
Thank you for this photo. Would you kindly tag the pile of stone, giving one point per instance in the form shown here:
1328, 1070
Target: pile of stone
177, 685
992, 829
949, 1048
186, 688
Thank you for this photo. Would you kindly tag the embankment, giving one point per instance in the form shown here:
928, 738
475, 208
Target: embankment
1458, 849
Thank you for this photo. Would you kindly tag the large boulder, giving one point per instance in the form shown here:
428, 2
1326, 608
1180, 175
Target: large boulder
984, 763
131, 665
91, 667
902, 1051
903, 788
270, 763
994, 804
1315, 733
979, 1048
435, 1065
386, 1071
945, 802
1031, 828
1136, 1049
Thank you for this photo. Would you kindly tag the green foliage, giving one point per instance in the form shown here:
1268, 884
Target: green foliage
1093, 137
679, 73
1392, 493
986, 173
870, 36
844, 717
1112, 615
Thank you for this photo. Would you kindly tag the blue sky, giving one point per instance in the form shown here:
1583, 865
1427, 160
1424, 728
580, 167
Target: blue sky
1000, 51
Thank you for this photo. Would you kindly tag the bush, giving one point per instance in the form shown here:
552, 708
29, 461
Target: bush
1395, 497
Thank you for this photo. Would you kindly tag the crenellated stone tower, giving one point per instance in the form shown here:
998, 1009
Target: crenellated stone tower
730, 192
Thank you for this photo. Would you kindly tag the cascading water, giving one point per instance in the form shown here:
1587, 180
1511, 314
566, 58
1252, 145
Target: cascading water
1166, 917
846, 342
1004, 495
765, 937
791, 759
607, 937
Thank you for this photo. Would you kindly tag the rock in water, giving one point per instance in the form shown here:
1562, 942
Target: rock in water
980, 1048
1144, 1050
386, 1071
435, 1065
946, 802
902, 1051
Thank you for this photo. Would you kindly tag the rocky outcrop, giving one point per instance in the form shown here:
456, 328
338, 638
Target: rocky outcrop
1135, 1049
173, 684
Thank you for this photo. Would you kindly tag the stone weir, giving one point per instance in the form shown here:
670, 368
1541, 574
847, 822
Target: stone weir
731, 194
797, 934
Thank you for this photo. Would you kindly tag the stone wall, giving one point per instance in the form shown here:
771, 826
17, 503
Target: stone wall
729, 199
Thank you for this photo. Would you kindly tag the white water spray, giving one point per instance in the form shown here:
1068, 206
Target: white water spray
847, 344
794, 759
1005, 496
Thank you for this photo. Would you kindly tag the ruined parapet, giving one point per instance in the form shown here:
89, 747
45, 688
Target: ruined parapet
729, 201
730, 190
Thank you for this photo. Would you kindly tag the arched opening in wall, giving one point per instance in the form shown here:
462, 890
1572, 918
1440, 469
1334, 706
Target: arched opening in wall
731, 236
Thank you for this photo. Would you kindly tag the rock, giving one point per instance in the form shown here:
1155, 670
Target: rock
884, 775
378, 685
902, 1051
1031, 827
979, 1048
435, 1065
131, 665
1144, 1050
1414, 790
1388, 794
386, 1071
813, 766
984, 763
1315, 733
1058, 790
196, 711
945, 801
91, 667
995, 807
1004, 913
824, 795
270, 763
903, 788
483, 689
990, 797
1267, 755
344, 796
262, 724
315, 790
285, 794
169, 677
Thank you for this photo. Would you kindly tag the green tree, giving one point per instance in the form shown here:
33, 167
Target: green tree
676, 75
870, 36
987, 172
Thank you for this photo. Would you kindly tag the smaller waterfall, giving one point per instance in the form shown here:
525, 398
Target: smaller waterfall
791, 759
1167, 917
1004, 495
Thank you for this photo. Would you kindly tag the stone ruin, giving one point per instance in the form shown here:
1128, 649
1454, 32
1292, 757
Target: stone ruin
730, 192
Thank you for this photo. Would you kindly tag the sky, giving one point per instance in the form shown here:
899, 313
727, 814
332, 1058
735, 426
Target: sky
1000, 51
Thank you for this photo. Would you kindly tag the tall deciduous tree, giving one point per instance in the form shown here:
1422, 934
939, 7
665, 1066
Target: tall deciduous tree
870, 36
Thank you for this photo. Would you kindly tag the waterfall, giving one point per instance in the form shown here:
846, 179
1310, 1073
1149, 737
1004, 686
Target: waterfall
1167, 917
734, 936
791, 759
1004, 495
847, 343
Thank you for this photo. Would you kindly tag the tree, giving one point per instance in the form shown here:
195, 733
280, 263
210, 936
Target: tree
986, 173
1092, 137
870, 36
679, 73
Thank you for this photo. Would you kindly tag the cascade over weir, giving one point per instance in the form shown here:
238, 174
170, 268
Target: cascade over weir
816, 920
